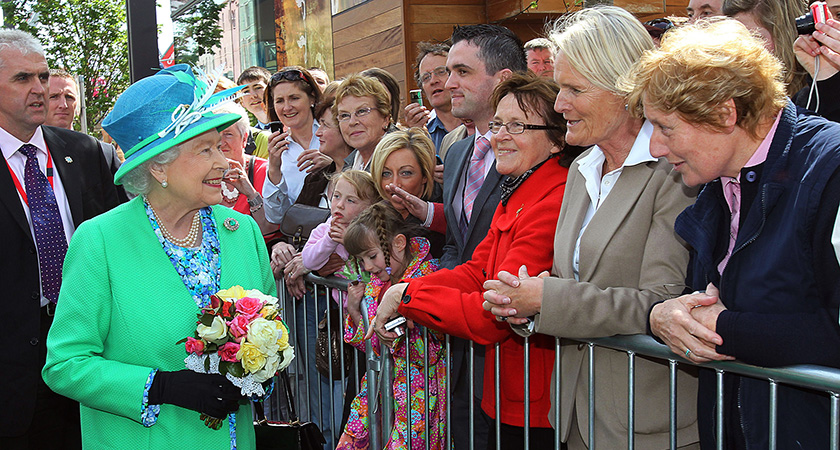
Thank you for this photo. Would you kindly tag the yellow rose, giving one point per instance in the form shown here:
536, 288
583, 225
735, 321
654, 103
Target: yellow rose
269, 311
251, 357
272, 362
282, 335
263, 334
216, 332
233, 293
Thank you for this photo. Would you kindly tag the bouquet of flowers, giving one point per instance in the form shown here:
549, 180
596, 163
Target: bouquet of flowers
241, 336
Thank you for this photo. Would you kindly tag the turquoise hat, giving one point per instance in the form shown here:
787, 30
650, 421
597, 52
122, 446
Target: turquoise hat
164, 110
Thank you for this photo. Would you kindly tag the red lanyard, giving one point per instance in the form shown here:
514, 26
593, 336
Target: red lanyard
19, 187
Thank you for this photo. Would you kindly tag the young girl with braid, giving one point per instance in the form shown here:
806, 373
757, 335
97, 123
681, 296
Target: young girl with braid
392, 250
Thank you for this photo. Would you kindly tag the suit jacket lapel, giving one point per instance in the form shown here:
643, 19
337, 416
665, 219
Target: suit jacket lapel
10, 198
453, 181
623, 197
64, 161
573, 210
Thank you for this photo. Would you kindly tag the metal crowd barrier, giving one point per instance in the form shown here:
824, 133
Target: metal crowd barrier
380, 402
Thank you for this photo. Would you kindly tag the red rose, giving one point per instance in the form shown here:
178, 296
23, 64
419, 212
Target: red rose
228, 351
238, 327
195, 346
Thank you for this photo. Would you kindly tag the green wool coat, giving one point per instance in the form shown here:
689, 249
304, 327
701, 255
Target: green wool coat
121, 310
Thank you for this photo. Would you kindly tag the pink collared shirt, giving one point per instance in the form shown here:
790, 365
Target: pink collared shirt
732, 190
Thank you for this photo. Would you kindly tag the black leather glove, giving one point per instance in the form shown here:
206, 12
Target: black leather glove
211, 394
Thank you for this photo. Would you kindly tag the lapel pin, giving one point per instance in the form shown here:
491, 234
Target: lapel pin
68, 159
231, 224
519, 210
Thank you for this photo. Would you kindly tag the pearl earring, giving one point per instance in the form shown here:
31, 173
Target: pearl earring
164, 184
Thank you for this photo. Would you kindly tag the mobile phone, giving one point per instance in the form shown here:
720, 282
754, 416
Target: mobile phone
439, 161
395, 325
276, 126
416, 96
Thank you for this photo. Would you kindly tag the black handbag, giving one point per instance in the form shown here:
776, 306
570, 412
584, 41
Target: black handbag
332, 341
294, 435
300, 220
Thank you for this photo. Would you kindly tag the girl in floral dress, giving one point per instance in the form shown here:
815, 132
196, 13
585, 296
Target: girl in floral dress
392, 251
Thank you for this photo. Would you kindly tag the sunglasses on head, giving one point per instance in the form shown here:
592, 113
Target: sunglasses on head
289, 75
661, 23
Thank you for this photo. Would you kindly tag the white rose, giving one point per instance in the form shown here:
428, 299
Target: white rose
216, 332
267, 299
263, 334
272, 363
288, 357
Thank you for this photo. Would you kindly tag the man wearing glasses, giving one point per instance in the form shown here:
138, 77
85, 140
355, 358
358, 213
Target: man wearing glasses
431, 75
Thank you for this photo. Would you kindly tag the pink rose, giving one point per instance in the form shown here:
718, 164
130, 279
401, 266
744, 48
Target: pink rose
249, 307
228, 351
239, 327
195, 346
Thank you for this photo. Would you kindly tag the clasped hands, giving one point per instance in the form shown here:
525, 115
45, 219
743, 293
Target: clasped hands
514, 298
687, 325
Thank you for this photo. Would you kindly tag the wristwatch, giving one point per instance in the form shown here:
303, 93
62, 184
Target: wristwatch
255, 203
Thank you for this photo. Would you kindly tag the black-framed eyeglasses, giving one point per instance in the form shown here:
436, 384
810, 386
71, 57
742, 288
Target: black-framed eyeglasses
440, 71
519, 127
361, 112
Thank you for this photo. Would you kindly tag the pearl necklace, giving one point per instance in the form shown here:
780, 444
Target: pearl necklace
187, 242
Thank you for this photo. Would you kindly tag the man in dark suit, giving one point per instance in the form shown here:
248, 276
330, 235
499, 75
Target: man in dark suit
481, 56
51, 168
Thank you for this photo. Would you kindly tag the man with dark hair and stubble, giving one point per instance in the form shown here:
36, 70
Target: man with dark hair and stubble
481, 56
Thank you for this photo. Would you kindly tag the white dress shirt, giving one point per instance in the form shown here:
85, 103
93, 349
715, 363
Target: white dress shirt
599, 187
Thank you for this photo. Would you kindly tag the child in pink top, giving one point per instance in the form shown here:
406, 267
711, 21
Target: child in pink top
353, 191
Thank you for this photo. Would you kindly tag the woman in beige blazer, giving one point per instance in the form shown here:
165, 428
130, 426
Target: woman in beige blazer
615, 250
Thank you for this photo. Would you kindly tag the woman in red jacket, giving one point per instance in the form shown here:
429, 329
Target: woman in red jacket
530, 149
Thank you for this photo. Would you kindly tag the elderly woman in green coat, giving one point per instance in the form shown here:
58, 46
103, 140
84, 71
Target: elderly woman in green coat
136, 277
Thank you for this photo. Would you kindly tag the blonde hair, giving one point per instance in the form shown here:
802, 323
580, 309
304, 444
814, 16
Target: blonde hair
360, 86
779, 18
701, 66
361, 181
602, 43
414, 139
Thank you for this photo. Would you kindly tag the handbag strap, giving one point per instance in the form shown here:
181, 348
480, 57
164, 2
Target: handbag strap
284, 380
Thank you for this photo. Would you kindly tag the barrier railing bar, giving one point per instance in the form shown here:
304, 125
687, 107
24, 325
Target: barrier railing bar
835, 421
448, 390
773, 409
556, 383
498, 422
408, 396
472, 392
672, 402
591, 350
372, 384
631, 400
527, 387
719, 410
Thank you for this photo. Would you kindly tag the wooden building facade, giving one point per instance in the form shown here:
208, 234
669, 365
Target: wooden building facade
385, 33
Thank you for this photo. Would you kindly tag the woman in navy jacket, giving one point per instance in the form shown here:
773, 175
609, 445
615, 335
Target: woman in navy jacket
760, 229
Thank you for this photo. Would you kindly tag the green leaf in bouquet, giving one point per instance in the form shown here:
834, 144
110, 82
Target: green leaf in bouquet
206, 319
211, 347
207, 364
181, 341
235, 369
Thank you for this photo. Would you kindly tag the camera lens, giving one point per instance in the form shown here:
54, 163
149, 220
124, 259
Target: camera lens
805, 24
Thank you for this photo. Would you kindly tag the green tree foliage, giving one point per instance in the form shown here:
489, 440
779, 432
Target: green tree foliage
85, 37
198, 32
